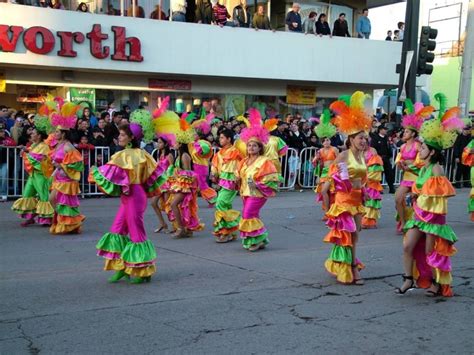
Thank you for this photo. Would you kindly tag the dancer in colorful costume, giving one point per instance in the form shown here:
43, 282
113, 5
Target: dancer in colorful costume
276, 147
131, 174
429, 241
68, 164
468, 160
34, 204
224, 166
184, 185
407, 159
258, 179
201, 152
161, 202
349, 173
373, 190
323, 160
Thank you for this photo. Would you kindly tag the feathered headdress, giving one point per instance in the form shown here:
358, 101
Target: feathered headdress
325, 129
271, 124
62, 113
43, 124
351, 117
203, 124
415, 114
441, 132
186, 133
255, 130
141, 125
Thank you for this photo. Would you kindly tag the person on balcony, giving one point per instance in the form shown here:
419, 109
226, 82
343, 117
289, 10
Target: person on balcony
221, 15
309, 23
341, 29
241, 14
363, 27
204, 13
322, 26
293, 19
158, 14
178, 10
83, 7
260, 20
136, 11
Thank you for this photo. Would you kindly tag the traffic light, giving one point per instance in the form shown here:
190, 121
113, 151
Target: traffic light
425, 50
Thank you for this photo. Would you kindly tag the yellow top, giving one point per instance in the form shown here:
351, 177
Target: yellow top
225, 161
200, 151
138, 163
259, 179
271, 149
356, 170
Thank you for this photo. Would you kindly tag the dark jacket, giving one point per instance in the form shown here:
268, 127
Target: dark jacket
204, 12
282, 135
381, 145
261, 22
239, 15
461, 142
293, 17
112, 132
341, 29
297, 142
322, 28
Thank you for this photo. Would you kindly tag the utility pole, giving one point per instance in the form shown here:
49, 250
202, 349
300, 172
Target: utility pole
410, 42
466, 69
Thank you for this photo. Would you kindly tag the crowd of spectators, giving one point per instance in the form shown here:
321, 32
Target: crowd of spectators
214, 12
398, 34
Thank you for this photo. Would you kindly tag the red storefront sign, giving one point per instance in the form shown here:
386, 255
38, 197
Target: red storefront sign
165, 84
42, 41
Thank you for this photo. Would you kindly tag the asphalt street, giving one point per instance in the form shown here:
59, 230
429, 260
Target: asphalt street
209, 298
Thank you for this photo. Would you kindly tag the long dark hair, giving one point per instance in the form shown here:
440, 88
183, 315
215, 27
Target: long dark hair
43, 135
437, 157
126, 128
166, 147
183, 148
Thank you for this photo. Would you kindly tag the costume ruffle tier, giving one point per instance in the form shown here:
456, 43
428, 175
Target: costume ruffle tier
224, 164
34, 204
373, 189
133, 175
201, 151
266, 179
430, 210
185, 182
323, 178
468, 160
340, 220
68, 218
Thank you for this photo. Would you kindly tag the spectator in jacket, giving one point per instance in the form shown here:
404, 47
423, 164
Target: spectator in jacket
282, 131
99, 134
5, 141
389, 36
241, 14
383, 147
341, 29
178, 10
322, 26
204, 13
401, 30
462, 171
296, 139
293, 18
363, 27
260, 20
87, 115
309, 23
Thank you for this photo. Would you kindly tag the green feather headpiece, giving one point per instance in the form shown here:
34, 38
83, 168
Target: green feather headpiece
325, 129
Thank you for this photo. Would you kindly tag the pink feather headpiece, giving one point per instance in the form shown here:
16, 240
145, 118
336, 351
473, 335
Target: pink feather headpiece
64, 115
162, 108
416, 114
255, 130
203, 125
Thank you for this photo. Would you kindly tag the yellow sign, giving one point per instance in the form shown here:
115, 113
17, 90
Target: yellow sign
3, 82
301, 95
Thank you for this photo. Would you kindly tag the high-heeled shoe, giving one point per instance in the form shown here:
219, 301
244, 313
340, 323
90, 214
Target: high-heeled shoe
400, 291
140, 280
431, 293
118, 276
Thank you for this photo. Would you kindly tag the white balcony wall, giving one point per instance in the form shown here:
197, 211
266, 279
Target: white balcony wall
200, 50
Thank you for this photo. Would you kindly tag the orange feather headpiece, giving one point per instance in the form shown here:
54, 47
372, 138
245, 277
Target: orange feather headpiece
351, 117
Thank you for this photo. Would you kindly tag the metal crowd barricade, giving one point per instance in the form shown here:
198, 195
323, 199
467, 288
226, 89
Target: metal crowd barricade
97, 157
290, 166
306, 178
12, 174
